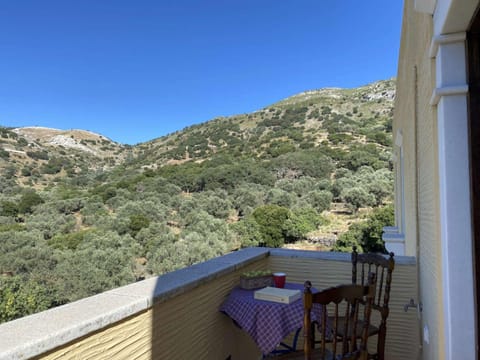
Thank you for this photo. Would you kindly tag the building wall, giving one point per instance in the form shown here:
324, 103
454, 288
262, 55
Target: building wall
416, 119
191, 327
128, 339
187, 326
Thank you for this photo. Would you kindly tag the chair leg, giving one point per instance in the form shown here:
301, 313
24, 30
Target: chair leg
380, 355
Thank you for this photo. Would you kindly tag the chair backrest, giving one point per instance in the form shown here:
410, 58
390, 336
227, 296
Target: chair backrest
382, 267
338, 302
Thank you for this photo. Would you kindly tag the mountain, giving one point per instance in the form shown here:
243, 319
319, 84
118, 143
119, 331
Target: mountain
71, 139
80, 213
333, 117
38, 155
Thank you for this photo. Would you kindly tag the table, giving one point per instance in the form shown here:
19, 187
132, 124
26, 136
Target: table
267, 322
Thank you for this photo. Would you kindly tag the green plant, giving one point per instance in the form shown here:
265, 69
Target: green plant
271, 220
367, 234
256, 273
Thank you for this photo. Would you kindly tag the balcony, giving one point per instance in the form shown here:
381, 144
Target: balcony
175, 316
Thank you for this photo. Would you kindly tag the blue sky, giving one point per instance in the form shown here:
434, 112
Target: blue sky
135, 70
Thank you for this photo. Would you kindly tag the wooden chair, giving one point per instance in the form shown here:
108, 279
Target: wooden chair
382, 267
343, 299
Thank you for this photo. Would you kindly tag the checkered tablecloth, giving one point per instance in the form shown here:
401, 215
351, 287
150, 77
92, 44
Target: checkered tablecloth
267, 322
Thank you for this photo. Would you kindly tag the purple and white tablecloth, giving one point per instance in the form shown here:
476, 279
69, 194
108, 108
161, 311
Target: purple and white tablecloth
267, 322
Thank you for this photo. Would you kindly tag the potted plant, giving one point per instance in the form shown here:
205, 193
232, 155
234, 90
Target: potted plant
255, 279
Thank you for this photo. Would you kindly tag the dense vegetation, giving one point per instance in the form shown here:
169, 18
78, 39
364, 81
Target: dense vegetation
72, 226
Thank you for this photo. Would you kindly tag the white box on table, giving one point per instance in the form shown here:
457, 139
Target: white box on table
285, 296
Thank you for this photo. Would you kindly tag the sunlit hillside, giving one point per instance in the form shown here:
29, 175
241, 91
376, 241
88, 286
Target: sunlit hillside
80, 213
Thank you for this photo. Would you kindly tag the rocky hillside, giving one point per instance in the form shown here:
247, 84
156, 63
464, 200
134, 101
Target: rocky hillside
332, 117
337, 118
80, 214
82, 140
39, 155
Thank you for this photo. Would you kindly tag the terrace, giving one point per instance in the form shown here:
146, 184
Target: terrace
175, 316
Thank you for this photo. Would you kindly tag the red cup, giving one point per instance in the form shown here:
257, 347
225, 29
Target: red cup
279, 279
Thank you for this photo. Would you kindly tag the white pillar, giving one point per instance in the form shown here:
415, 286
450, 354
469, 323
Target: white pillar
394, 236
450, 96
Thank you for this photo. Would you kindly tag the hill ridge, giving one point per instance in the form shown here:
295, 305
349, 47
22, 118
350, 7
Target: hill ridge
298, 173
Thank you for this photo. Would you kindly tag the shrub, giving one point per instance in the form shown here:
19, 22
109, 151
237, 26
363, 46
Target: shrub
137, 222
8, 208
28, 200
4, 154
38, 155
271, 220
367, 234
19, 297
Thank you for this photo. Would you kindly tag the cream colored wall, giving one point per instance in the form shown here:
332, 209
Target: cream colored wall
202, 332
416, 119
129, 339
405, 112
402, 330
187, 326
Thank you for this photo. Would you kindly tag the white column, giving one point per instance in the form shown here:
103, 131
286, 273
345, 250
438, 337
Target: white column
394, 236
450, 96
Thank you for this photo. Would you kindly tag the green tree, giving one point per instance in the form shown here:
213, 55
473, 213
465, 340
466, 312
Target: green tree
28, 200
137, 222
49, 221
277, 148
372, 233
53, 166
320, 200
248, 232
8, 208
68, 241
357, 197
9, 172
350, 238
271, 220
303, 163
22, 142
204, 238
379, 183
26, 171
246, 197
300, 222
298, 187
4, 154
101, 261
20, 297
280, 197
215, 203
154, 236
367, 235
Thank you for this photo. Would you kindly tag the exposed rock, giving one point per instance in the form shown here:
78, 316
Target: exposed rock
68, 142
